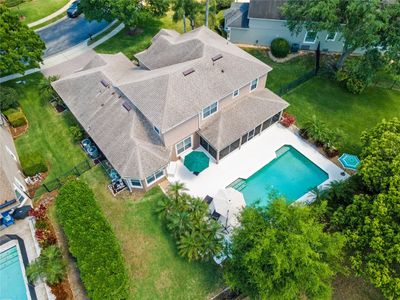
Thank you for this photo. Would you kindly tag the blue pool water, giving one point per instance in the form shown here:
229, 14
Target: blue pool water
12, 284
290, 175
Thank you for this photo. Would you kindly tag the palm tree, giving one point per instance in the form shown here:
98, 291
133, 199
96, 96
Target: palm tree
319, 193
315, 129
49, 266
183, 9
176, 189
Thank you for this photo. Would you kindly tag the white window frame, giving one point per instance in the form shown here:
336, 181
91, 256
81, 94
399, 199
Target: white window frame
251, 83
238, 93
11, 153
17, 189
135, 186
157, 130
331, 40
184, 146
155, 178
305, 37
209, 108
18, 183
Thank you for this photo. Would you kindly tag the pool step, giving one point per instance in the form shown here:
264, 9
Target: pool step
8, 259
239, 184
282, 150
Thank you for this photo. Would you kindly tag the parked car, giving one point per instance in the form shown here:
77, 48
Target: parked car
73, 10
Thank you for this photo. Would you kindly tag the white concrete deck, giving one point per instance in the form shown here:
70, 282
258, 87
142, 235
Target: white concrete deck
251, 157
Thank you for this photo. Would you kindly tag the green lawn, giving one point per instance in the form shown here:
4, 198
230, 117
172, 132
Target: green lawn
156, 271
48, 131
130, 45
34, 10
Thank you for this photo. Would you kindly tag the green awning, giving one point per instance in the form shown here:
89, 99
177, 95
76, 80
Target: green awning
196, 161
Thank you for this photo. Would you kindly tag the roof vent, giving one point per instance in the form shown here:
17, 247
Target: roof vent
105, 83
127, 105
187, 72
216, 57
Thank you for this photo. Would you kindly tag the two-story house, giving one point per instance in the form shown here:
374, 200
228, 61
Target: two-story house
259, 22
13, 189
185, 91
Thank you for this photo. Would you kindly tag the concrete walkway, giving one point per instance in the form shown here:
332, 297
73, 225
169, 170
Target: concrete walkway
65, 56
51, 16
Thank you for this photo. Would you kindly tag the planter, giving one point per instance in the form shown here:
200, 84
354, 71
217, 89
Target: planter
303, 133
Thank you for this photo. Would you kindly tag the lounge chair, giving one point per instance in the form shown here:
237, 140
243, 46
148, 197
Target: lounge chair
7, 203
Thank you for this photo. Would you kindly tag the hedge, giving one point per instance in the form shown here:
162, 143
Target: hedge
33, 163
92, 242
280, 47
15, 117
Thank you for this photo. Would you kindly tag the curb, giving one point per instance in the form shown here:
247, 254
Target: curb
51, 16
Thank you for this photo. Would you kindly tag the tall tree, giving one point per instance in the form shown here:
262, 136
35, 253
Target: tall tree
282, 252
185, 9
20, 46
362, 24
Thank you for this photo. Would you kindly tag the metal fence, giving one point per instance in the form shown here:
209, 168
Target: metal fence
55, 184
295, 83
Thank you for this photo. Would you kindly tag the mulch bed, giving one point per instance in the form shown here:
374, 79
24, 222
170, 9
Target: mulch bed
32, 188
16, 132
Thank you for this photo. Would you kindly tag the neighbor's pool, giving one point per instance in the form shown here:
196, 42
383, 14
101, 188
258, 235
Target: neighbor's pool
291, 175
12, 283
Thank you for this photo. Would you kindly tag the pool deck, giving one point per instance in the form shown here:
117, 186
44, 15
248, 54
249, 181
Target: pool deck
251, 157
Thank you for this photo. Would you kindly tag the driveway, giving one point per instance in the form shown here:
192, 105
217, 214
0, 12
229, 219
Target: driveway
68, 33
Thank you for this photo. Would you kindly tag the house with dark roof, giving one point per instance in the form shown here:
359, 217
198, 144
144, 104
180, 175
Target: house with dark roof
259, 22
185, 91
13, 189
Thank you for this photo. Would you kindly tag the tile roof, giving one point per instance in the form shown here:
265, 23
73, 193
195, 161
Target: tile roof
253, 109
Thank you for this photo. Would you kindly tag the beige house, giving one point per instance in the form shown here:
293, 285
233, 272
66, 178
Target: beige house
185, 91
12, 183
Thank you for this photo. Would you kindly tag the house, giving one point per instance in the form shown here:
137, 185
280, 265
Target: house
13, 189
185, 91
259, 22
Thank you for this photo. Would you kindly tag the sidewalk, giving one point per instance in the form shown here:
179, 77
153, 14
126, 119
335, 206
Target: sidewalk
53, 15
67, 55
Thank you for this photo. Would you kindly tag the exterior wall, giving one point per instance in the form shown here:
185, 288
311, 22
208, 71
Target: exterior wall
176, 134
264, 31
12, 177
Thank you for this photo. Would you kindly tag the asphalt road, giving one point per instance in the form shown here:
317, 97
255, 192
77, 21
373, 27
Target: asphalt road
68, 33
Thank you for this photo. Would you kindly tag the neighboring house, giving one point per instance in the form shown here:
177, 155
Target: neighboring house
260, 22
12, 183
185, 91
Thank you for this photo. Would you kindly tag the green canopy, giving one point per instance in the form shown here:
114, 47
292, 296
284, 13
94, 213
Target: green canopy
196, 161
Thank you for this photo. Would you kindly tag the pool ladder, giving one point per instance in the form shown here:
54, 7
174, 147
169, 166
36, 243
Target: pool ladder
239, 184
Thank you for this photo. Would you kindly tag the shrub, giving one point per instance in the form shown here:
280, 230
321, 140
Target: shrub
33, 163
12, 3
92, 242
8, 98
16, 119
280, 47
288, 119
77, 133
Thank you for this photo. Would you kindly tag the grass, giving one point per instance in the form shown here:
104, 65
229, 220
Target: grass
132, 44
329, 101
156, 271
48, 131
34, 10
104, 33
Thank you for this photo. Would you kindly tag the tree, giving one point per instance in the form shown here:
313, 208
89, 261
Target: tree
49, 266
45, 88
371, 222
185, 9
20, 46
8, 98
282, 252
362, 24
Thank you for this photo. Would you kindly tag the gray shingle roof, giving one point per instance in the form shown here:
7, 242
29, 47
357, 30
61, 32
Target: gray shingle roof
266, 9
237, 15
125, 137
241, 117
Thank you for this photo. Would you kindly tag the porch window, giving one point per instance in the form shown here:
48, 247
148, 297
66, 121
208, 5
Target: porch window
209, 110
266, 124
235, 93
311, 37
331, 36
154, 177
232, 147
20, 196
244, 138
156, 130
184, 145
136, 183
253, 84
257, 130
276, 117
208, 148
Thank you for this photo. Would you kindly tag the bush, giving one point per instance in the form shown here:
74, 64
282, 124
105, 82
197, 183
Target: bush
280, 47
77, 133
12, 3
33, 163
16, 119
288, 119
8, 98
92, 242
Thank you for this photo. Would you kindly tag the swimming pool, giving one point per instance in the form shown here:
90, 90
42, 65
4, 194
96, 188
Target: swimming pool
290, 175
12, 283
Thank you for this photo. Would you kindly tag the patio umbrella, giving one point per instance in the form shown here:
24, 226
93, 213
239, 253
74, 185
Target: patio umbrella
349, 161
196, 161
